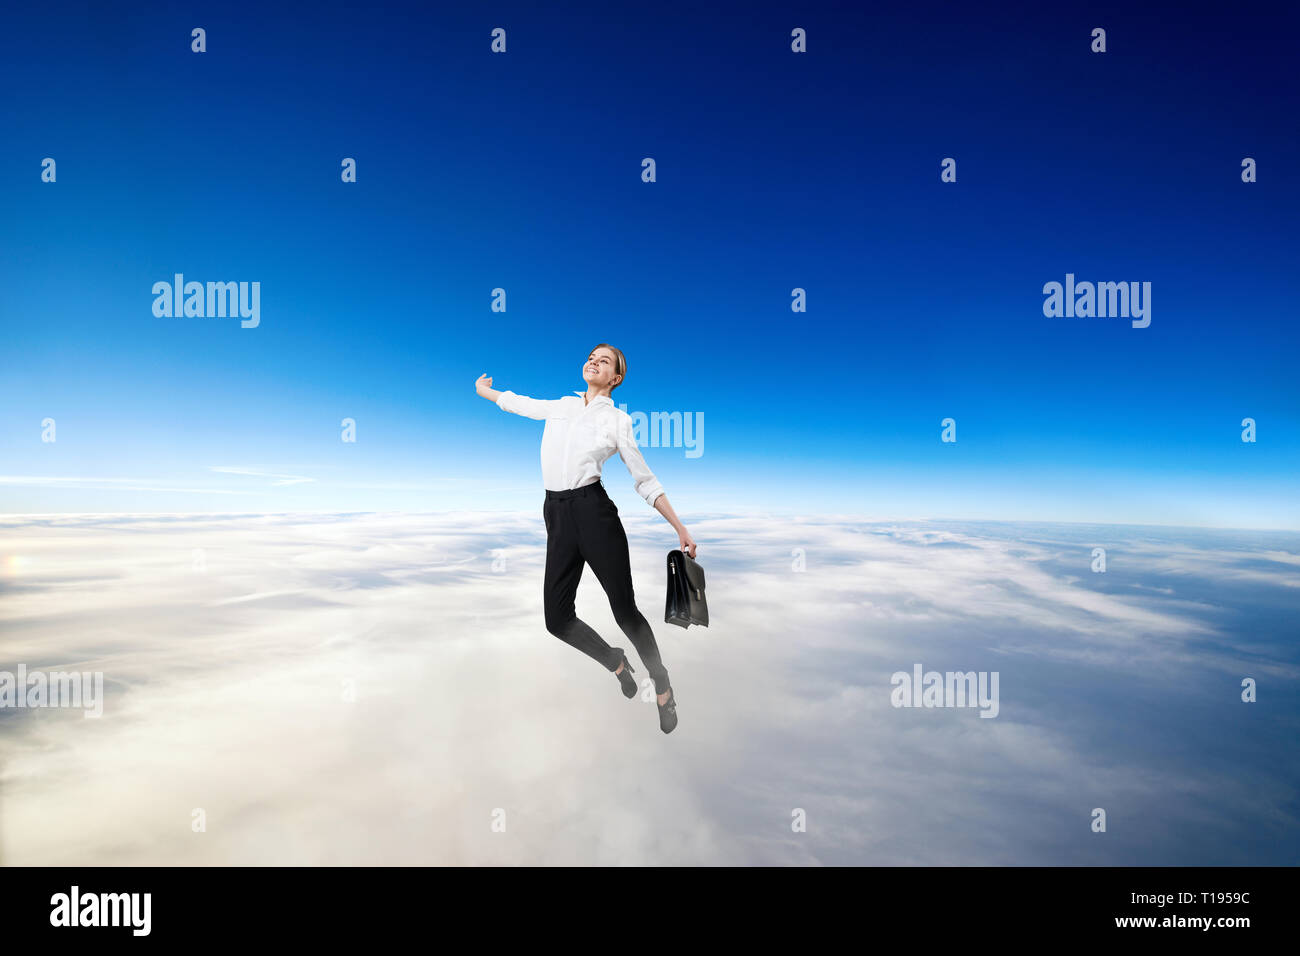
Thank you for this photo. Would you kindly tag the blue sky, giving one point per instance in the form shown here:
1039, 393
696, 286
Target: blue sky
775, 171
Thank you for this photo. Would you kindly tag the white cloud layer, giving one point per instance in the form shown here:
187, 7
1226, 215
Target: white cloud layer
227, 644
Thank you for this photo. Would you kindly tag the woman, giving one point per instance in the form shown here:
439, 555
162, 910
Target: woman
582, 523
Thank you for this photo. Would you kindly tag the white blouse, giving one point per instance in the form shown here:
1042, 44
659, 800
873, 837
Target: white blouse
580, 436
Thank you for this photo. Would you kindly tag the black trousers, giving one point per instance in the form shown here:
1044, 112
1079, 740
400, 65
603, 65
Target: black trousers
582, 525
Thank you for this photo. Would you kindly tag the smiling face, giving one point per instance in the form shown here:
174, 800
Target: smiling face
601, 369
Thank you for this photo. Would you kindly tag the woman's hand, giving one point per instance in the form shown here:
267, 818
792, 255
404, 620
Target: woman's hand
687, 542
484, 388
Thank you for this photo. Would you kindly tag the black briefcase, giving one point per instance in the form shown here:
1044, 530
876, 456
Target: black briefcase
685, 605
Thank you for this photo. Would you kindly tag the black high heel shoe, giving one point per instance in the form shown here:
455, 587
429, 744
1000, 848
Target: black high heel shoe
626, 680
668, 712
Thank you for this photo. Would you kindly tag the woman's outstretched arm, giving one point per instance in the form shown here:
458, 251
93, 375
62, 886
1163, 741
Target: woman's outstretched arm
519, 404
665, 509
647, 485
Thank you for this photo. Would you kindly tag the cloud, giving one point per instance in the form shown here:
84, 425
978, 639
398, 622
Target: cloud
253, 473
115, 484
379, 688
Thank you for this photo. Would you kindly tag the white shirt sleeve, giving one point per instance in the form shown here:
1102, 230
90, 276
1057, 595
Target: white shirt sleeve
538, 408
647, 485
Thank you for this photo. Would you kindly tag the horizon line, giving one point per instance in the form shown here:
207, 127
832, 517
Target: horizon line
738, 514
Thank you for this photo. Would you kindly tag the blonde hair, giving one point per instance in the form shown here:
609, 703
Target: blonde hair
620, 363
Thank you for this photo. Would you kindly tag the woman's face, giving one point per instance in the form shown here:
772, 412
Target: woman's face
600, 369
